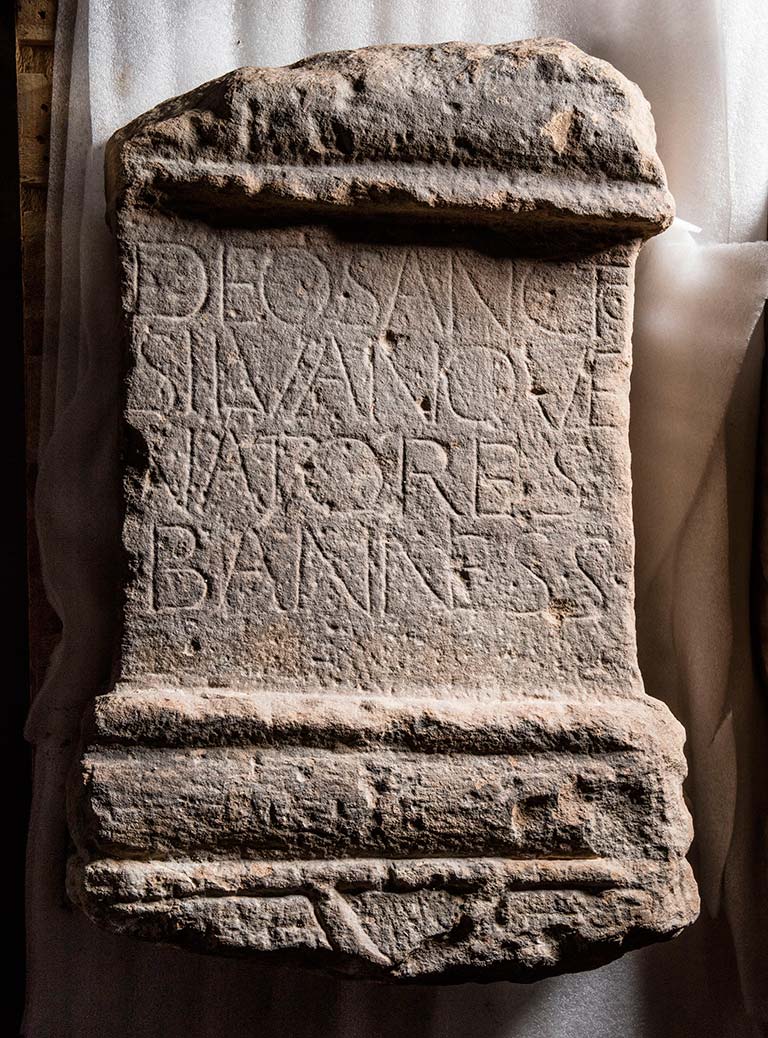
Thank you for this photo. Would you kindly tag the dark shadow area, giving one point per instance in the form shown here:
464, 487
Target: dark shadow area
538, 234
15, 753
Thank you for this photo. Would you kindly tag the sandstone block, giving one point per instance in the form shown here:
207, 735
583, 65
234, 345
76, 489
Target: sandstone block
377, 704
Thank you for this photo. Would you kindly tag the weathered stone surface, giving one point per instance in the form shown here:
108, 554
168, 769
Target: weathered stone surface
377, 702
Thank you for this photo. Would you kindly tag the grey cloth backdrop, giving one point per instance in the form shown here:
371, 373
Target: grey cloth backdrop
704, 66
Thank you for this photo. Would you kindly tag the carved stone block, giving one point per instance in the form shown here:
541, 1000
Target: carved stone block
377, 702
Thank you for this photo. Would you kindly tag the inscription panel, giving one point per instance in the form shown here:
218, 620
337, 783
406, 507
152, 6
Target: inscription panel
363, 464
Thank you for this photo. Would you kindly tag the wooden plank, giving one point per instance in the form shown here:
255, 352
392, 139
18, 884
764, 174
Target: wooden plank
35, 35
34, 107
35, 22
35, 30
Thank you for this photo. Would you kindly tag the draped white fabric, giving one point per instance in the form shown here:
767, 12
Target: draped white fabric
703, 64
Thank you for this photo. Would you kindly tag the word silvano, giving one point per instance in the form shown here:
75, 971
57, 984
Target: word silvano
378, 705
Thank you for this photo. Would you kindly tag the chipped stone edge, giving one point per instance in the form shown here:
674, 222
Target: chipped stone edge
146, 164
215, 903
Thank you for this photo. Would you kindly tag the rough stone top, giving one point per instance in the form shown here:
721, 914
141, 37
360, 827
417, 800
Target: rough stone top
526, 134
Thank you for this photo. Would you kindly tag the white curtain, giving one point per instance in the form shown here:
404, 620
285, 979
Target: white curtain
703, 64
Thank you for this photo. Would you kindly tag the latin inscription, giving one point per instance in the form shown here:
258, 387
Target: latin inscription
375, 430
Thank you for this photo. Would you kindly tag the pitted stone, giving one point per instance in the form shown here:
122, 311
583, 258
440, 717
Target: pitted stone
378, 705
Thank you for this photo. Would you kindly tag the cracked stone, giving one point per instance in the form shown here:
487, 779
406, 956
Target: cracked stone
377, 705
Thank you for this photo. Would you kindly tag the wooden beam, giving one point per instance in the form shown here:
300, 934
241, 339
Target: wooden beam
35, 35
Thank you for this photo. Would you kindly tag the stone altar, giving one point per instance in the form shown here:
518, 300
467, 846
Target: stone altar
376, 703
